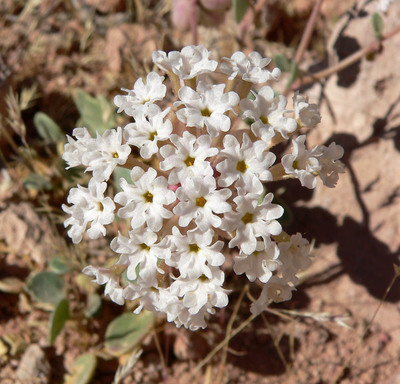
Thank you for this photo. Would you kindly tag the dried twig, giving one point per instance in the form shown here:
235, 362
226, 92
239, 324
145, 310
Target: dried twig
374, 47
228, 333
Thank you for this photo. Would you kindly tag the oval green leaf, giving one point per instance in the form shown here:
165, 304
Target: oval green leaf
37, 182
121, 173
47, 128
46, 287
377, 24
282, 62
239, 9
57, 319
93, 305
60, 265
97, 114
82, 370
126, 331
294, 74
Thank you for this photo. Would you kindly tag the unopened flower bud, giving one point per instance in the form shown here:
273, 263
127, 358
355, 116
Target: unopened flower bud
216, 5
182, 12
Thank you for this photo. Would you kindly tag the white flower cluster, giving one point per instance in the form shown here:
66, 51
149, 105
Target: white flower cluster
202, 188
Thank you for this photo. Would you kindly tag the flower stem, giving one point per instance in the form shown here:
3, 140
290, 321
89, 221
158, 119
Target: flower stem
374, 47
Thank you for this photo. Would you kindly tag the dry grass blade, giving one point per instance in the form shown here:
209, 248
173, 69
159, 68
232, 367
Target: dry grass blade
317, 316
124, 370
28, 97
228, 333
223, 343
14, 118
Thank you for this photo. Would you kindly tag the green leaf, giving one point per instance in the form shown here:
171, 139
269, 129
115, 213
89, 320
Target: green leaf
82, 370
124, 276
46, 287
377, 24
97, 114
294, 74
57, 319
126, 331
239, 9
37, 182
47, 128
71, 174
121, 172
60, 265
93, 305
282, 62
252, 94
287, 217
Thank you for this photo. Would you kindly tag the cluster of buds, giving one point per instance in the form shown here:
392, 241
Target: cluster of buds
199, 167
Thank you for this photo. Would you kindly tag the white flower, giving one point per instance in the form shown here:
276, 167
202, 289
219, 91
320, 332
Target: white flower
249, 68
142, 95
252, 220
149, 296
201, 292
206, 106
106, 154
268, 110
194, 252
302, 164
173, 307
105, 276
307, 165
187, 157
144, 200
139, 251
88, 206
260, 264
307, 115
190, 62
74, 149
244, 161
148, 130
191, 321
294, 256
276, 289
212, 193
331, 166
200, 200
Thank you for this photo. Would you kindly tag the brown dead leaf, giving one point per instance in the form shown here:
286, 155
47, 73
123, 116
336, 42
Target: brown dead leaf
34, 367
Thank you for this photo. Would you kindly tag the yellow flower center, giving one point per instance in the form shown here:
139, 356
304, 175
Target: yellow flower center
145, 247
206, 112
148, 197
201, 201
241, 166
194, 248
189, 161
247, 218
